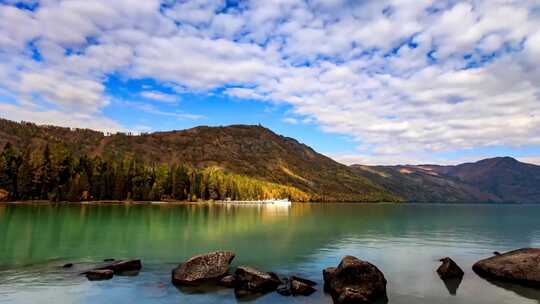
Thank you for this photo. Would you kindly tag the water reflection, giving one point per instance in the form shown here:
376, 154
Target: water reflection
452, 285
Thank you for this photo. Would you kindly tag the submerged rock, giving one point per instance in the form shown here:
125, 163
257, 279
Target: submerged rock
296, 286
99, 274
520, 266
251, 280
108, 260
203, 267
68, 265
355, 281
300, 287
119, 267
449, 269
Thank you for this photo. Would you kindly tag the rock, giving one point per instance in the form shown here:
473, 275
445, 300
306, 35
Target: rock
203, 267
520, 266
99, 274
305, 281
355, 281
228, 281
123, 266
449, 269
68, 265
108, 260
352, 296
4, 195
300, 288
251, 280
284, 290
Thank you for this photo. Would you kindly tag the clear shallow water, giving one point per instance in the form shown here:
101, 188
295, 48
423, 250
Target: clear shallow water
404, 241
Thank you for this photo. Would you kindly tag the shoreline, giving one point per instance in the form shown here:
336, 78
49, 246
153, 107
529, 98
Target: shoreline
239, 203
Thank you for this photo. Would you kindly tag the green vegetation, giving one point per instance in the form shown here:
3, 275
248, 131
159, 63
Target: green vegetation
57, 175
260, 162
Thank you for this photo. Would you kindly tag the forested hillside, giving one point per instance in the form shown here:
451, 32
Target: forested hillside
237, 162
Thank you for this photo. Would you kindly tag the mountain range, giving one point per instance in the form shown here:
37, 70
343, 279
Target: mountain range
257, 152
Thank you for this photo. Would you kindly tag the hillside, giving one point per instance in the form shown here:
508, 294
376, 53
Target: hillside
500, 179
250, 151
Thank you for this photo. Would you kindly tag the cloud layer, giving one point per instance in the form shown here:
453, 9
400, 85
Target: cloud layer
402, 78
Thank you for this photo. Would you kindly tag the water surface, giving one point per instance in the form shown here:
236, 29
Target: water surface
404, 241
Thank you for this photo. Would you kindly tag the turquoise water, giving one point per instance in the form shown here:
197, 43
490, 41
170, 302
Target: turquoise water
404, 241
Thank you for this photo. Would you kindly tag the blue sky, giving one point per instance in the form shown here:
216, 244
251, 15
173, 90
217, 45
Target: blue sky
374, 82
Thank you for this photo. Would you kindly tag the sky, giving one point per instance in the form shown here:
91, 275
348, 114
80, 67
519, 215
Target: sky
371, 82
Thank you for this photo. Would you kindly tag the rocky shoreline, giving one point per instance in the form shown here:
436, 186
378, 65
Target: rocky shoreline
352, 281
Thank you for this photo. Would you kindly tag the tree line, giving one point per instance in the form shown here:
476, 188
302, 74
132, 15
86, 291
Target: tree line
56, 174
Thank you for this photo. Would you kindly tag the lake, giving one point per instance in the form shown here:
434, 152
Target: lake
404, 240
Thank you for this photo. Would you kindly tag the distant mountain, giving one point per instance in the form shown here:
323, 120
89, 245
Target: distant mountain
259, 154
500, 179
252, 151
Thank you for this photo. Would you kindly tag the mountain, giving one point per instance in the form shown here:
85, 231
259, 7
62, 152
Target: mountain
499, 179
250, 151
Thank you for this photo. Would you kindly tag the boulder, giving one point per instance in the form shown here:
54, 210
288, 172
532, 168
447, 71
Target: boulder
284, 290
520, 266
4, 195
99, 274
305, 281
228, 281
296, 286
251, 280
355, 281
68, 265
204, 267
123, 266
300, 288
449, 269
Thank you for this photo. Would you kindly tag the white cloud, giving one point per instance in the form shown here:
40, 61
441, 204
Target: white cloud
155, 95
405, 79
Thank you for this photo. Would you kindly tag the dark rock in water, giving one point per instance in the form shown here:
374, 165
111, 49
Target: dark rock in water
449, 269
99, 274
284, 290
305, 281
300, 288
228, 281
355, 281
119, 267
68, 265
203, 267
108, 260
452, 285
251, 280
296, 286
496, 253
520, 266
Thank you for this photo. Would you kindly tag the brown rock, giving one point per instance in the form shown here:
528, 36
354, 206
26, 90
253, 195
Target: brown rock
123, 266
203, 267
355, 281
305, 281
449, 269
228, 281
300, 288
520, 266
251, 280
99, 274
